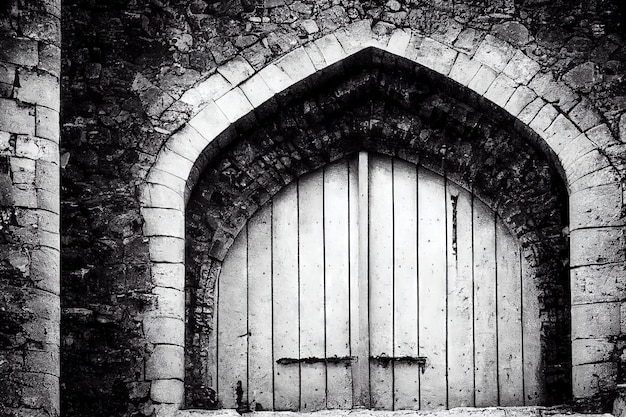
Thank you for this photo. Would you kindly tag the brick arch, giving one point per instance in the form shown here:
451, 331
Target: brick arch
562, 124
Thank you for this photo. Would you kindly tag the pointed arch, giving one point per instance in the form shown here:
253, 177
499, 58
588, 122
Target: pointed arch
509, 82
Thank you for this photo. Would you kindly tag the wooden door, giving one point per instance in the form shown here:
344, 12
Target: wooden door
373, 282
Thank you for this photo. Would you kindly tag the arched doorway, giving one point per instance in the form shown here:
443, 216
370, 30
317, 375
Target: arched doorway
373, 282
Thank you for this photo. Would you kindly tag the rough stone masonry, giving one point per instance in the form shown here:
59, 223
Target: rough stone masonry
92, 282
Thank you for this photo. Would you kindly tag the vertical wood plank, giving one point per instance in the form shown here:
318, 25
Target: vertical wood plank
381, 281
460, 296
233, 323
260, 360
359, 278
432, 288
534, 382
406, 376
312, 291
485, 334
285, 298
337, 272
510, 372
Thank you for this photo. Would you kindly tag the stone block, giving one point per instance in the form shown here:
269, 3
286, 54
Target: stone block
331, 49
48, 176
48, 221
168, 391
7, 73
49, 239
16, 118
494, 53
48, 150
586, 351
521, 68
236, 70
43, 331
598, 283
163, 222
210, 122
436, 56
588, 163
521, 97
40, 390
169, 303
39, 88
584, 115
399, 41
187, 142
166, 362
554, 92
275, 78
157, 195
174, 183
601, 136
544, 118
173, 163
604, 176
44, 305
468, 40
296, 64
24, 195
19, 51
47, 123
530, 111
166, 249
315, 55
561, 132
50, 59
598, 206
574, 150
591, 379
45, 269
49, 201
168, 275
597, 246
464, 69
45, 361
256, 90
234, 105
22, 170
482, 80
356, 36
597, 320
501, 90
215, 86
164, 330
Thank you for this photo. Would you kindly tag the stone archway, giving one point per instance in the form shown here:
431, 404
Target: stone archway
538, 111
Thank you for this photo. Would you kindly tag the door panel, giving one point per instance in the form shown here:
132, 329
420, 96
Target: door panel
232, 323
485, 336
381, 282
260, 355
406, 374
312, 294
373, 282
285, 295
460, 296
432, 288
337, 272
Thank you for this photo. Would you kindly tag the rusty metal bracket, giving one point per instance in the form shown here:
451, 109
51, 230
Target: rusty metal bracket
386, 360
312, 360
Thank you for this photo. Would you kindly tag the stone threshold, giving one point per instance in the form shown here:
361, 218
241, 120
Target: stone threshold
454, 412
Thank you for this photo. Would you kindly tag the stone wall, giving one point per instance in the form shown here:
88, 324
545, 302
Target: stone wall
30, 59
135, 72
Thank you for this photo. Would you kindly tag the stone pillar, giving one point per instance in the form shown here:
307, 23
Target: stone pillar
30, 63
